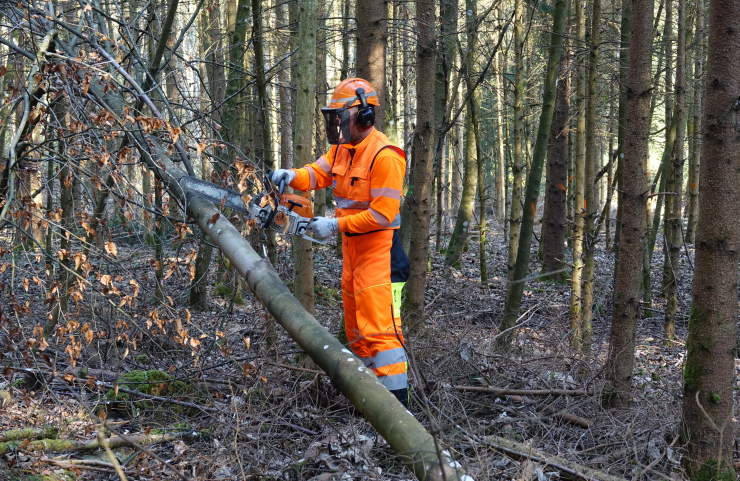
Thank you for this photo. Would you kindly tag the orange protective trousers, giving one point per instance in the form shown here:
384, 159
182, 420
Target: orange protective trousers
375, 270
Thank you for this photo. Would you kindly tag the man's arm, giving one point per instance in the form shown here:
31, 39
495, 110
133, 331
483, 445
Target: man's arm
386, 186
316, 175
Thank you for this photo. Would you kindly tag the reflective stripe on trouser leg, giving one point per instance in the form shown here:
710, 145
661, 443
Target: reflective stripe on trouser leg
370, 321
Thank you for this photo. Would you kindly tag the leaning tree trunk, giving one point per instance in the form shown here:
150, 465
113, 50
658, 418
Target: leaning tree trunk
515, 287
709, 372
305, 74
634, 196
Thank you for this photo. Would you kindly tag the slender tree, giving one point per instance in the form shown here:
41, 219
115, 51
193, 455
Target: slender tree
579, 204
423, 157
517, 167
634, 195
305, 75
695, 127
592, 161
515, 287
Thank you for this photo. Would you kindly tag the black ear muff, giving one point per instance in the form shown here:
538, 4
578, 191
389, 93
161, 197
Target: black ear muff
366, 114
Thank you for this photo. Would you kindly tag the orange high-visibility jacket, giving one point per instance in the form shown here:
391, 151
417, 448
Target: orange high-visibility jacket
367, 180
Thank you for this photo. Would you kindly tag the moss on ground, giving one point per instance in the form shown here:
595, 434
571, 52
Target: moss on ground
153, 382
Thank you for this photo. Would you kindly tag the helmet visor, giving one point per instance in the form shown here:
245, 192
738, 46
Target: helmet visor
337, 125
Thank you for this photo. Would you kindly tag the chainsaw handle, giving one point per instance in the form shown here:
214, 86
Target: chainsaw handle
281, 187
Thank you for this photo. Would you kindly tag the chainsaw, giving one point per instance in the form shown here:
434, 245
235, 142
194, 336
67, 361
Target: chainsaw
271, 208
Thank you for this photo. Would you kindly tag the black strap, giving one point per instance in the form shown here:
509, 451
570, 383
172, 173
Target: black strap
376, 156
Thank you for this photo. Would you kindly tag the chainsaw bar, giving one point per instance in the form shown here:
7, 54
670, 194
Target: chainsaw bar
261, 207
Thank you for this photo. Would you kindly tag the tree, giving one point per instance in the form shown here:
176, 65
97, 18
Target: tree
420, 201
633, 198
305, 74
372, 36
579, 219
710, 362
673, 211
517, 166
694, 127
515, 286
591, 199
554, 215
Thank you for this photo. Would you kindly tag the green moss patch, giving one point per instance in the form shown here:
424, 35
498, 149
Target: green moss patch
153, 382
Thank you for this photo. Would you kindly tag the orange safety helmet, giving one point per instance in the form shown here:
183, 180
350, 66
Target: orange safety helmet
346, 91
349, 93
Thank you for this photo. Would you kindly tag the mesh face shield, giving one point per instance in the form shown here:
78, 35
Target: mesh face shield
337, 125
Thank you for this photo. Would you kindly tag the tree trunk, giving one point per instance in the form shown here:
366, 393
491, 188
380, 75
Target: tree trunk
694, 134
517, 168
554, 215
420, 202
709, 371
305, 75
592, 161
674, 237
634, 195
579, 204
625, 36
500, 111
263, 144
515, 287
372, 36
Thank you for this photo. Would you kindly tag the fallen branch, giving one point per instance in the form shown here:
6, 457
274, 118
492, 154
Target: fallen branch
525, 392
28, 433
522, 451
68, 445
563, 416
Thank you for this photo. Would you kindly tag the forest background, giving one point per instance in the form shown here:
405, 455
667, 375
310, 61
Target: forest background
572, 306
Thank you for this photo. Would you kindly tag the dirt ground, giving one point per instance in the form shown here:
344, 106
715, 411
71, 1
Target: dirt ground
254, 411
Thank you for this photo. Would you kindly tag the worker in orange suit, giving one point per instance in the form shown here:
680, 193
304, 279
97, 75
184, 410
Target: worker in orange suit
365, 171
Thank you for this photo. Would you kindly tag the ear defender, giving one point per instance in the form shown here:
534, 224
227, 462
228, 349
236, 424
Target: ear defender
366, 114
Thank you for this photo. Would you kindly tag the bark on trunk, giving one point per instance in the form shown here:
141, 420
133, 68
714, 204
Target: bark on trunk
579, 204
517, 167
590, 193
554, 215
709, 370
420, 203
674, 237
634, 195
372, 36
305, 75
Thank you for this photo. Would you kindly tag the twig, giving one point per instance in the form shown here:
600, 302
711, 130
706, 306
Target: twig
525, 392
522, 451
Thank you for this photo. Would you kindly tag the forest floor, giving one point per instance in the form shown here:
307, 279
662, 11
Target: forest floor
255, 412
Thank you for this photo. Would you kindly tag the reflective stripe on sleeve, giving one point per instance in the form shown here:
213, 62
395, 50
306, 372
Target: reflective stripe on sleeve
343, 203
396, 222
386, 192
312, 177
323, 164
380, 218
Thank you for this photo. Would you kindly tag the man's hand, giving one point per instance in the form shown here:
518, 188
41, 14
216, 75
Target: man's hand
283, 174
322, 227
